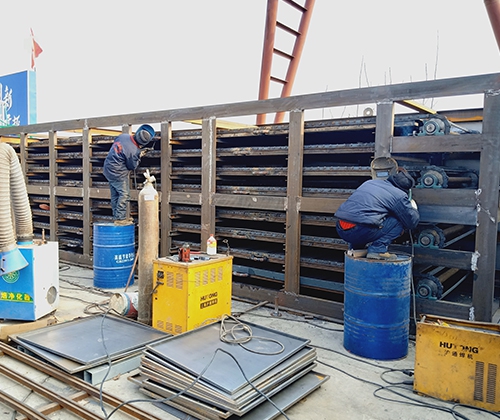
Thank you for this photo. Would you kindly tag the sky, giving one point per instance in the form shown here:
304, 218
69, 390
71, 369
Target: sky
111, 57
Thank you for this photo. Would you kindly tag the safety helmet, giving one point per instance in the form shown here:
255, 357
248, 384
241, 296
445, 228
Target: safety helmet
144, 134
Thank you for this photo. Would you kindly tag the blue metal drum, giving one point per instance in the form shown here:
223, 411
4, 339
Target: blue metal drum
377, 307
114, 255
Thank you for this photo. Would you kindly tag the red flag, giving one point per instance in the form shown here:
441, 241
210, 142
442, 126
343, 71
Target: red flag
36, 50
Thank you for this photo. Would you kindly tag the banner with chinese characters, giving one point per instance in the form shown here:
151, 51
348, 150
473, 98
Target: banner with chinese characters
18, 99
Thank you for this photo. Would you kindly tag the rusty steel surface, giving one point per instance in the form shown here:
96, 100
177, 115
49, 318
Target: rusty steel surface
493, 9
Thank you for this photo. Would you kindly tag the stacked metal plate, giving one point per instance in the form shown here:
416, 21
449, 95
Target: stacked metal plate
203, 376
93, 345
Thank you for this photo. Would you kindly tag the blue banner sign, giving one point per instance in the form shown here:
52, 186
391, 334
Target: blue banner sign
18, 99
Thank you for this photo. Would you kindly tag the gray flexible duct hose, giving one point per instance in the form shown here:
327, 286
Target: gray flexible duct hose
13, 192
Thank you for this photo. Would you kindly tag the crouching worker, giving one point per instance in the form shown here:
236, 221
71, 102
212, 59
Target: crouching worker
377, 213
123, 157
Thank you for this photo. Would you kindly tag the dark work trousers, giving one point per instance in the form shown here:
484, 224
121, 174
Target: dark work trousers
120, 196
380, 237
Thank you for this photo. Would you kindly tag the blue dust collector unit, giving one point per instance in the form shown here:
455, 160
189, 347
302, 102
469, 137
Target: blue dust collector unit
33, 291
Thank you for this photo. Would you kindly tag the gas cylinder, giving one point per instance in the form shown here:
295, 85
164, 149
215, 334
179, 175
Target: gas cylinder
149, 238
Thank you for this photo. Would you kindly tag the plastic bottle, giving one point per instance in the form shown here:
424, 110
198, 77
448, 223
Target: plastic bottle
211, 245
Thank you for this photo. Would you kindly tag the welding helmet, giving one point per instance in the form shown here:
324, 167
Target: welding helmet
144, 134
383, 167
402, 180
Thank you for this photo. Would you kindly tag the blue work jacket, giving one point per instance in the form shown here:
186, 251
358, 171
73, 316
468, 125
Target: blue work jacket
374, 201
123, 157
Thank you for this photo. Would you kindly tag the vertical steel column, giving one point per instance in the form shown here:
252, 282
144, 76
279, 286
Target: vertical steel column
127, 129
53, 184
165, 189
384, 129
294, 194
23, 144
487, 217
208, 175
87, 170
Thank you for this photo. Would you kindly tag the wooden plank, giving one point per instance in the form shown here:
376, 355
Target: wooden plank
10, 327
38, 189
178, 197
445, 197
260, 202
433, 88
486, 232
52, 185
294, 192
69, 191
86, 181
437, 144
320, 205
208, 177
166, 188
23, 144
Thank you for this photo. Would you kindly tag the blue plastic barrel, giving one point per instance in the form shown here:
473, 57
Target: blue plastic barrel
114, 255
377, 307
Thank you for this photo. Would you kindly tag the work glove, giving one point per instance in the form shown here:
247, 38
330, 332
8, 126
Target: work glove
413, 204
145, 151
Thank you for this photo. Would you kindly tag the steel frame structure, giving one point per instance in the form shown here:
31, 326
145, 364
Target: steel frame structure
480, 203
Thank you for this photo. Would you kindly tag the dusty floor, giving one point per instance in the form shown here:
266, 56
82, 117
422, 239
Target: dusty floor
358, 388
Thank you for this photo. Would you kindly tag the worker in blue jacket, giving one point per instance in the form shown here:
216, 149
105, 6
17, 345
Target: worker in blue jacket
377, 213
123, 157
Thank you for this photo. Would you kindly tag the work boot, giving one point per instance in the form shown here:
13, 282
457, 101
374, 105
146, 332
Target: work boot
123, 222
381, 256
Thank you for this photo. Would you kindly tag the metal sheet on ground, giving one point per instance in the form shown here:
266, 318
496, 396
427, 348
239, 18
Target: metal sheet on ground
170, 376
189, 402
67, 365
284, 399
82, 341
195, 350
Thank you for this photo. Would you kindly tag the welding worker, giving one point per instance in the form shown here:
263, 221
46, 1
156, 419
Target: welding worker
123, 157
377, 213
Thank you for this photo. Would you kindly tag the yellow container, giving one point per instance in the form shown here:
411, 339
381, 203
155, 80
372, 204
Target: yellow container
458, 361
191, 294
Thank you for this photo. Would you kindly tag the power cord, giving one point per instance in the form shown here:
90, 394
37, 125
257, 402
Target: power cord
228, 335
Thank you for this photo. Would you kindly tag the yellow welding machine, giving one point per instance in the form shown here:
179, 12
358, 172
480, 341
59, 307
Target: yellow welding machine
187, 295
458, 361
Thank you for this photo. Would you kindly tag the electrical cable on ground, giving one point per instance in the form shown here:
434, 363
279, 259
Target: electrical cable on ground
223, 336
381, 388
240, 326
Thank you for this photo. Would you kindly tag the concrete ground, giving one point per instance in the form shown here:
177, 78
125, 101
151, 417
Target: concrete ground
358, 388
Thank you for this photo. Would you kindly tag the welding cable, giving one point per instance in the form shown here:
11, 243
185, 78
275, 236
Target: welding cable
196, 380
108, 359
476, 408
411, 281
366, 362
229, 336
299, 320
407, 372
413, 401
